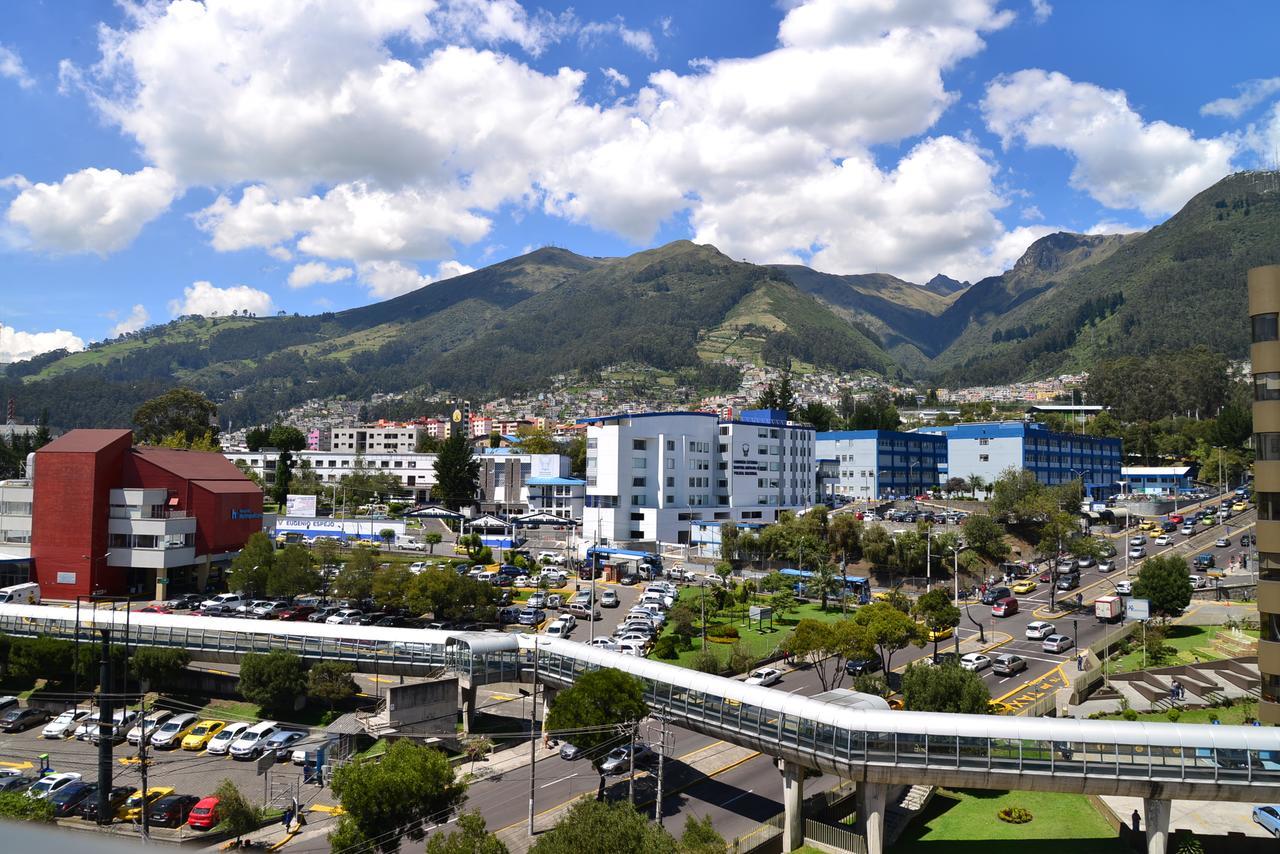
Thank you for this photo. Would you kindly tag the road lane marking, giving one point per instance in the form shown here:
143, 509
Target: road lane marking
561, 780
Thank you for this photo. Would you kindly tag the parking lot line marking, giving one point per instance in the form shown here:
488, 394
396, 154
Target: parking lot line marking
504, 698
21, 766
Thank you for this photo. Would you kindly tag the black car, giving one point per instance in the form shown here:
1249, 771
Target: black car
1070, 581
995, 594
859, 666
67, 800
14, 783
172, 810
119, 794
17, 720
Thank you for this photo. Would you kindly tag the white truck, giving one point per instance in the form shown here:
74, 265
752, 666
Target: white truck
20, 594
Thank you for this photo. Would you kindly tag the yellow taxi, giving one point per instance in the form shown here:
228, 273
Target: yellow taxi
132, 809
201, 734
1148, 525
1026, 585
1240, 506
939, 634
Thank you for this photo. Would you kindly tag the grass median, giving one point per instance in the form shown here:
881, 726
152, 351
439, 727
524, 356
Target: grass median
966, 820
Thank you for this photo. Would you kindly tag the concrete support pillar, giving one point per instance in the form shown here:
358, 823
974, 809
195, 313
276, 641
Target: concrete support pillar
1156, 814
202, 576
792, 805
548, 695
467, 703
871, 808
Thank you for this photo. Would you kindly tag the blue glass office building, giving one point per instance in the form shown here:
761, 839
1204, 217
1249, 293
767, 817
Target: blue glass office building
874, 464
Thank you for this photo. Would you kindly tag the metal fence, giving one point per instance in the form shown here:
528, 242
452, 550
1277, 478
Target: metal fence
838, 836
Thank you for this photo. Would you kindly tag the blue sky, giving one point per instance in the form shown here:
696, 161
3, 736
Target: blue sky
310, 155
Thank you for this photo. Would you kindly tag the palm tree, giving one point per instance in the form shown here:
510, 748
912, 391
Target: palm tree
825, 582
975, 483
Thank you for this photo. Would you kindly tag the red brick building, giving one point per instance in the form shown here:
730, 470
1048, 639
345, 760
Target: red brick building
109, 517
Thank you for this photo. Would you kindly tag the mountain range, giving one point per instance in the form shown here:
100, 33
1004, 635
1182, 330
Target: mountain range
686, 309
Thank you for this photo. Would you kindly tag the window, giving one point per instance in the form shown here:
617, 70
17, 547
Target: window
639, 463
637, 501
637, 517
984, 441
1266, 386
1265, 327
984, 458
671, 462
1268, 506
637, 481
637, 535
671, 444
671, 482
637, 444
1267, 445
591, 443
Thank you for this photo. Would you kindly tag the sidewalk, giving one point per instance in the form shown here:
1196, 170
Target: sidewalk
1203, 818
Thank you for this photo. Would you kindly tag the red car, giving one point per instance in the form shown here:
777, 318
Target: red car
1046, 577
297, 614
204, 815
154, 609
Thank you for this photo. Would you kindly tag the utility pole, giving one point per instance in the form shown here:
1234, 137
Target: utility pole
142, 765
106, 730
631, 772
533, 734
662, 755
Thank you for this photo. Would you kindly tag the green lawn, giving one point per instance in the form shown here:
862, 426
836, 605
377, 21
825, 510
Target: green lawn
1191, 642
1235, 714
965, 820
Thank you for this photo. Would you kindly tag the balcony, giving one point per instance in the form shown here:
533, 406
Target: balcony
156, 558
167, 526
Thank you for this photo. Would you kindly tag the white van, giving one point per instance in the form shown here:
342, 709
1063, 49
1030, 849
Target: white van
250, 742
20, 594
231, 601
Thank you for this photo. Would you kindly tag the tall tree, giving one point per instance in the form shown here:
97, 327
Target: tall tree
945, 688
180, 410
457, 473
471, 837
331, 681
251, 568
884, 629
604, 828
1164, 580
986, 536
273, 680
591, 713
293, 572
385, 801
938, 613
355, 579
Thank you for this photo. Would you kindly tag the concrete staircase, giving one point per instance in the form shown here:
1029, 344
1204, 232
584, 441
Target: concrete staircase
908, 807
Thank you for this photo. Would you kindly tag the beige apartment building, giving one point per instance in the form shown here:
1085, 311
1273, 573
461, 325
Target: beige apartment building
1264, 316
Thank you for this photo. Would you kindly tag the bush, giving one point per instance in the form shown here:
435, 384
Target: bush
666, 647
1129, 715
1173, 715
706, 662
728, 631
1015, 815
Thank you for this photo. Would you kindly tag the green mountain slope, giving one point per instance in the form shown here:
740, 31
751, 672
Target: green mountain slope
1178, 285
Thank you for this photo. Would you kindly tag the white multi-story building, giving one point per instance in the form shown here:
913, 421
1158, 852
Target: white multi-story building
416, 472
15, 518
650, 475
401, 439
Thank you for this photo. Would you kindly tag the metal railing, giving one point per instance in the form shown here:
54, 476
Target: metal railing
838, 836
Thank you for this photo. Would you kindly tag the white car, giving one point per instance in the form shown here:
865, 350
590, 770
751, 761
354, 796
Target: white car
523, 581
1199, 582
418, 566
633, 638
975, 661
605, 643
764, 676
558, 629
231, 601
64, 724
221, 743
88, 725
46, 786
1164, 540
1039, 630
173, 730
340, 617
1124, 588
251, 741
147, 726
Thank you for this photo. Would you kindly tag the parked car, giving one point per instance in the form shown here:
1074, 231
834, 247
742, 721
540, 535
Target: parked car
764, 676
1056, 643
1268, 818
1008, 665
68, 799
172, 731
201, 734
249, 744
531, 616
64, 724
147, 726
344, 616
50, 783
975, 661
570, 752
321, 615
172, 810
296, 614
221, 743
116, 798
1106, 565
132, 809
619, 759
282, 742
609, 599
204, 815
18, 720
1124, 588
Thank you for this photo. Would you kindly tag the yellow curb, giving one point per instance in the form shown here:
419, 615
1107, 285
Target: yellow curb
283, 842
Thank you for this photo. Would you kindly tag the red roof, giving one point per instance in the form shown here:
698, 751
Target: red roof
233, 487
192, 465
84, 441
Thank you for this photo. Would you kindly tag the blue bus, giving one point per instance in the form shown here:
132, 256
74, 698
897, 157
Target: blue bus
853, 585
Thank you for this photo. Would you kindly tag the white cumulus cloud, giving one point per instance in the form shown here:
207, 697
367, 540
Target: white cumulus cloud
1121, 160
205, 299
93, 210
385, 279
11, 66
1041, 10
15, 345
1251, 93
138, 318
316, 272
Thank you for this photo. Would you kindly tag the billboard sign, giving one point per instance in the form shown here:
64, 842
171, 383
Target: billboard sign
300, 505
1137, 609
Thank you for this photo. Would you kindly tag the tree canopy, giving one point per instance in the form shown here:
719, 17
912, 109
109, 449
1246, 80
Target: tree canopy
273, 680
179, 410
590, 713
1164, 580
944, 688
457, 473
384, 801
